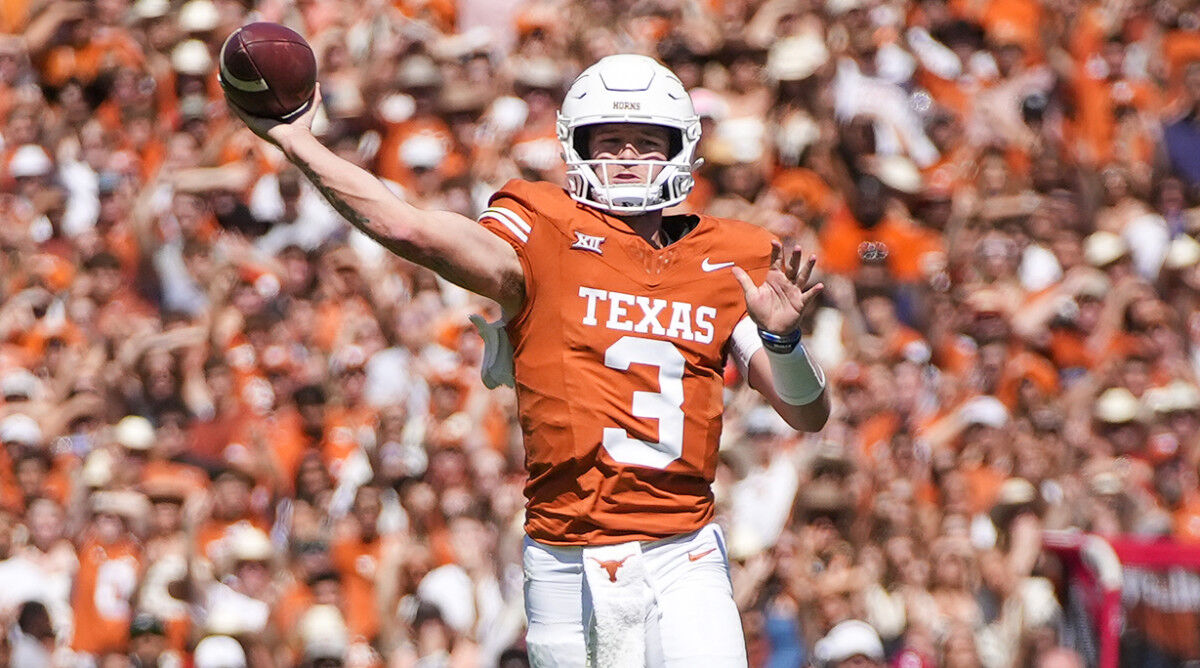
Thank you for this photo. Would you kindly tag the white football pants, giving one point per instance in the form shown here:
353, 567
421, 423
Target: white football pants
663, 603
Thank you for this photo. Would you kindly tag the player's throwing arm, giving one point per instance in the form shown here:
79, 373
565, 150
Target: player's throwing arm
452, 245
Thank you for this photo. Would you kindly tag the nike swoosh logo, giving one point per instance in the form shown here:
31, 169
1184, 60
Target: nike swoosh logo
713, 266
698, 557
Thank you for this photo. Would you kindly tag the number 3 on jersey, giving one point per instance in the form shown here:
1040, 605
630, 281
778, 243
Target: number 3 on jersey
664, 405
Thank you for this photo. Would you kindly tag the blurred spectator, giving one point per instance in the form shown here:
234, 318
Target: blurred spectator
148, 642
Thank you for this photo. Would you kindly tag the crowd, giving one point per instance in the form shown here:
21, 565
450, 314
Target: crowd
237, 433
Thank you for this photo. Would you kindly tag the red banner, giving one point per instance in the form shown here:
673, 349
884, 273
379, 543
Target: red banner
1129, 601
1160, 597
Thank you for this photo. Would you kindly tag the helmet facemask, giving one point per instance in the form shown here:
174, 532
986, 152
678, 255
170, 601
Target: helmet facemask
668, 183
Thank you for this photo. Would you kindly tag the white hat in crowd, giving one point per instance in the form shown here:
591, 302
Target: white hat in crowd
18, 383
847, 640
797, 57
250, 544
219, 652
323, 633
134, 432
150, 9
30, 160
97, 468
1183, 252
899, 173
1117, 405
984, 410
198, 16
191, 57
1178, 395
1103, 248
20, 429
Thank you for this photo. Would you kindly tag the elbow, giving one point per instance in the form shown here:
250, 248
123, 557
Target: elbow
814, 422
810, 417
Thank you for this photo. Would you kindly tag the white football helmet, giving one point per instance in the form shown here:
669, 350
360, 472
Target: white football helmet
629, 88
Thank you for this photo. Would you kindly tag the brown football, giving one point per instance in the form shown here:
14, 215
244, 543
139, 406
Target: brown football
268, 70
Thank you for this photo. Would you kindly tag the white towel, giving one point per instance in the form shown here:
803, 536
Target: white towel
497, 368
621, 601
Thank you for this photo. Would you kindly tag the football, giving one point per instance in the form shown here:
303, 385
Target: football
268, 70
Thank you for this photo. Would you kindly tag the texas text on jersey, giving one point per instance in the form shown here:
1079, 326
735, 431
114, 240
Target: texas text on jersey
619, 353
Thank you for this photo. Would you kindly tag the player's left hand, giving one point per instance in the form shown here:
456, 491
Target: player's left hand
777, 305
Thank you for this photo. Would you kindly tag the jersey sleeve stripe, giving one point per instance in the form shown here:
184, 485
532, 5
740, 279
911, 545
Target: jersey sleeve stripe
512, 216
517, 232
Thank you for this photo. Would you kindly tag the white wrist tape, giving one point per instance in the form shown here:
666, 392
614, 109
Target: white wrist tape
744, 342
798, 379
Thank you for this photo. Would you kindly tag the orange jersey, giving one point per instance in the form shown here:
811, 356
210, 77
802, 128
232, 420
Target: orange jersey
358, 562
619, 351
105, 585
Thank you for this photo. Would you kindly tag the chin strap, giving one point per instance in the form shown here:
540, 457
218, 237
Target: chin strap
497, 368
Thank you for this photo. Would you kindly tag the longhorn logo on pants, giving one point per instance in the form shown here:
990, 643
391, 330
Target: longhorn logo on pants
610, 566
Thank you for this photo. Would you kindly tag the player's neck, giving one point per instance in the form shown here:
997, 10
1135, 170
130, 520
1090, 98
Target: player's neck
648, 226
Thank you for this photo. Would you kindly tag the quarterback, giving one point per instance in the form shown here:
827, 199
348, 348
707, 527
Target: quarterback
618, 321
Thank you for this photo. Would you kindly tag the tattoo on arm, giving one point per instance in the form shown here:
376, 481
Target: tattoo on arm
348, 212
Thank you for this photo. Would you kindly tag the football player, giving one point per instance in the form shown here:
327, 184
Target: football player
618, 321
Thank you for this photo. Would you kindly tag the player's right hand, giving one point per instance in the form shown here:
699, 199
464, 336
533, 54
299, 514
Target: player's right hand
280, 133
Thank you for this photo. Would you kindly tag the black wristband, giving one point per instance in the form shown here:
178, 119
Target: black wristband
781, 345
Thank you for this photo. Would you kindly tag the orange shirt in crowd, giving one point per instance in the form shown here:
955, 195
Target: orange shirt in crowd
56, 485
876, 433
357, 561
1069, 348
1026, 366
183, 478
211, 538
897, 341
282, 433
104, 586
1097, 98
910, 246
392, 167
1014, 21
983, 487
799, 183
952, 169
295, 600
344, 429
107, 48
333, 318
14, 16
957, 95
1186, 519
1179, 47
839, 239
441, 13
